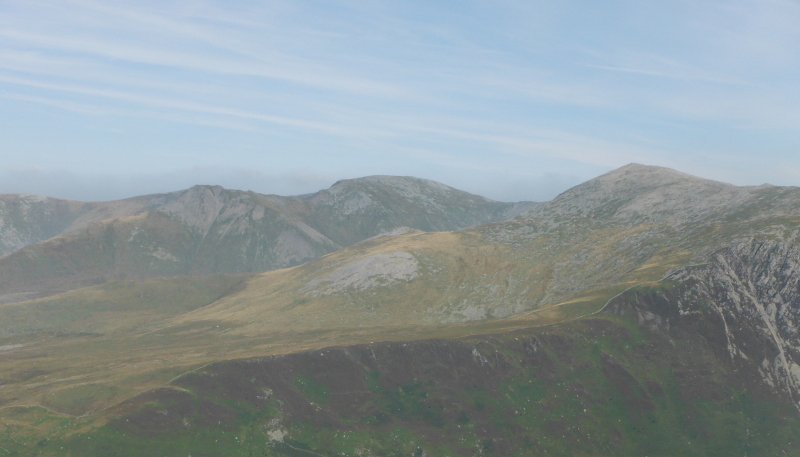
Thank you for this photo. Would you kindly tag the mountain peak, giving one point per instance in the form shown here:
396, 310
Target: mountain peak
397, 182
636, 178
648, 175
214, 188
408, 187
637, 189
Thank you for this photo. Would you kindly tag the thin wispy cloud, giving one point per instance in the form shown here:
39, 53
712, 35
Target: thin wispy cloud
663, 74
377, 87
185, 106
273, 67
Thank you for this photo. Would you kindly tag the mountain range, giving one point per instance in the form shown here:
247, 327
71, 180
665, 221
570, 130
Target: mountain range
207, 229
635, 314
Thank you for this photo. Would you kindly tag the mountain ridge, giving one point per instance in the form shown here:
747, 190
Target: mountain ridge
665, 300
208, 229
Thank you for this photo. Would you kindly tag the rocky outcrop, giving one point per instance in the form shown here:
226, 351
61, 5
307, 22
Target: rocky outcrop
28, 219
614, 227
381, 269
746, 301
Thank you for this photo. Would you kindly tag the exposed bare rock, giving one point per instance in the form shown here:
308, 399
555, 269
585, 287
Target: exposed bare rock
28, 219
746, 300
381, 269
198, 207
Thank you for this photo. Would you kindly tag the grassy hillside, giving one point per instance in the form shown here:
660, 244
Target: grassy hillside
655, 373
115, 306
584, 246
562, 260
208, 229
599, 387
83, 354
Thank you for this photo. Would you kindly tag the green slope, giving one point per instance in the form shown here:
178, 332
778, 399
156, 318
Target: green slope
600, 387
115, 306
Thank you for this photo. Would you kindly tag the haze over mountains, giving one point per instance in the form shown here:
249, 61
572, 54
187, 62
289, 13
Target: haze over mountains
667, 291
208, 229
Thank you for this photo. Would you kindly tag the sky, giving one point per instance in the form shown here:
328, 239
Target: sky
513, 100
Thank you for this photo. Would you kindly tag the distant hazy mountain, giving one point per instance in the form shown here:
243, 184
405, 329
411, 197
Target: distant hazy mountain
54, 245
28, 219
644, 312
628, 226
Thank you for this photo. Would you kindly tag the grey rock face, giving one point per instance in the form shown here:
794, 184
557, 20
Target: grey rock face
28, 219
746, 300
378, 269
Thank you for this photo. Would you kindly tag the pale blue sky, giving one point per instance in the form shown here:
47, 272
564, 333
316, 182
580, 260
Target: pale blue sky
509, 99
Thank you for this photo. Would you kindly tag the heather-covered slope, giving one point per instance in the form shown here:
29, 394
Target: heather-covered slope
724, 327
208, 229
680, 367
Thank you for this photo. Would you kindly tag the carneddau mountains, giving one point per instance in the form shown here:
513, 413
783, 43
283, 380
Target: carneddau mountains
55, 245
644, 312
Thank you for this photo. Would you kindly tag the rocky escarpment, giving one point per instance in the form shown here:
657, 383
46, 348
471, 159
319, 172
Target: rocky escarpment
28, 219
746, 301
